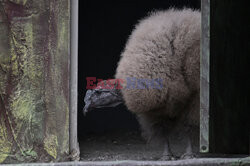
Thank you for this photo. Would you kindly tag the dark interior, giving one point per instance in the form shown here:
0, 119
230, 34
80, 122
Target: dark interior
104, 27
229, 77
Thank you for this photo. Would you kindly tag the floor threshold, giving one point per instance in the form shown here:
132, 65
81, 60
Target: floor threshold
187, 162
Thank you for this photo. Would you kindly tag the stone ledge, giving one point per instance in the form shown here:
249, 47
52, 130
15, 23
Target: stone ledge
188, 162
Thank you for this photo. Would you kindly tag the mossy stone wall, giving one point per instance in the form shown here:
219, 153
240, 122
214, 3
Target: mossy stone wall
34, 80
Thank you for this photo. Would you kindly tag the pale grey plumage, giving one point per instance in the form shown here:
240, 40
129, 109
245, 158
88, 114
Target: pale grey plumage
164, 45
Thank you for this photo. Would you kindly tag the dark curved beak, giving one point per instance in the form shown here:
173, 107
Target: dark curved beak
100, 98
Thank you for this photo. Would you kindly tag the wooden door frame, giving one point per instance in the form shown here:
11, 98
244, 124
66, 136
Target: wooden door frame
73, 141
204, 76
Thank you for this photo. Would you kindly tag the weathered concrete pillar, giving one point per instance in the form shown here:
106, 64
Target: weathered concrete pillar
34, 80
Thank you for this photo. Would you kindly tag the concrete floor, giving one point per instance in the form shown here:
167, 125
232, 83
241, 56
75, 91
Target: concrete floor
125, 145
117, 146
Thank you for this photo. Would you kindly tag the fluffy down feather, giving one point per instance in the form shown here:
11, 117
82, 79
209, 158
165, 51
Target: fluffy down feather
165, 45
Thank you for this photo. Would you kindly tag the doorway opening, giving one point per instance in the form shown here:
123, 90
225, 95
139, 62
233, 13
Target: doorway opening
104, 27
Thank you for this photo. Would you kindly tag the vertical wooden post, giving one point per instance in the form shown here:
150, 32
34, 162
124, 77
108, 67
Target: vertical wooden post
74, 147
204, 77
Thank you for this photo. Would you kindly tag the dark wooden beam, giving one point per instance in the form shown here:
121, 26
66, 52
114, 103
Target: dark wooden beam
229, 77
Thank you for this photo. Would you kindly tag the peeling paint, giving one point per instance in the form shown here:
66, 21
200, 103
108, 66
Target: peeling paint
19, 2
50, 145
5, 144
